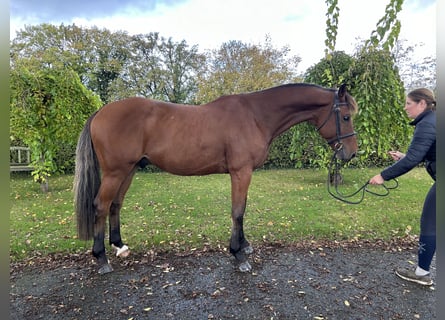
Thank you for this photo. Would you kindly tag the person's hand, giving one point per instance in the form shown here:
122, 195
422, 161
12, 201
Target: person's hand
377, 179
396, 155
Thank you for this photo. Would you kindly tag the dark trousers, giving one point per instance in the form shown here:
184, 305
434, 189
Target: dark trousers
427, 239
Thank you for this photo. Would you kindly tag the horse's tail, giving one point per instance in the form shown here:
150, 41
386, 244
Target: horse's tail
86, 183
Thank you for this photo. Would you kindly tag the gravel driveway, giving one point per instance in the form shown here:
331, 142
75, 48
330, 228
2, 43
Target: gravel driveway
308, 281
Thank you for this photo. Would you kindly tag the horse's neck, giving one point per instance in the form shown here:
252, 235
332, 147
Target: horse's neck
281, 111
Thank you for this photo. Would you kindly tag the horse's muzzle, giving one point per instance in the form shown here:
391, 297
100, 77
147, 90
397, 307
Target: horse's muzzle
345, 155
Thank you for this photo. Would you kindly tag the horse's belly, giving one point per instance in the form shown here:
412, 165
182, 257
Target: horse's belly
188, 162
190, 169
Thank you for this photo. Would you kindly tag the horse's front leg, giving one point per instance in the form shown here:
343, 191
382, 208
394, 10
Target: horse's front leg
239, 246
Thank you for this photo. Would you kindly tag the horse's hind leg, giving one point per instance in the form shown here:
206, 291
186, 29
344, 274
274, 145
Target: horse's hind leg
239, 246
107, 192
122, 250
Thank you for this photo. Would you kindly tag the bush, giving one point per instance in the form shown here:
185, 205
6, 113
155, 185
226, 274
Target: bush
279, 153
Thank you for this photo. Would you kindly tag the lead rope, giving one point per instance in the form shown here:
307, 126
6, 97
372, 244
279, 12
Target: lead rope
334, 169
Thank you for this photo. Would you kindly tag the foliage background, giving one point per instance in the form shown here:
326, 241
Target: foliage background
115, 65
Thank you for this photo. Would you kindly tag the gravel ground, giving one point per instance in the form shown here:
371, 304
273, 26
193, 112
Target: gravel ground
308, 281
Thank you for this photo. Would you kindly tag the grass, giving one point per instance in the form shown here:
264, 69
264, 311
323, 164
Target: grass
167, 212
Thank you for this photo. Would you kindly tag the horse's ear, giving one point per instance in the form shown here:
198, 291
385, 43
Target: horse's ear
342, 90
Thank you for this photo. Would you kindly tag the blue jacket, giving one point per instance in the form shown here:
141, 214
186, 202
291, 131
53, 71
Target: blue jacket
422, 148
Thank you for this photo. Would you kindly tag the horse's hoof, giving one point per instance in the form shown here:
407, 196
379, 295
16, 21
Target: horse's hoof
121, 252
248, 250
106, 268
245, 266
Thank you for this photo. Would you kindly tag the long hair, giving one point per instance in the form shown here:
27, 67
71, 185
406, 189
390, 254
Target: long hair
86, 183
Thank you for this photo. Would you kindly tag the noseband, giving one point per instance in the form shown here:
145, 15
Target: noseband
336, 108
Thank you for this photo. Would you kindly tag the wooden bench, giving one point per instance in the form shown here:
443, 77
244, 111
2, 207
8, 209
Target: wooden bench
19, 159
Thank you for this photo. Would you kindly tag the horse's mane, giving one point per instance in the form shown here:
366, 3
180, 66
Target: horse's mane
352, 104
303, 84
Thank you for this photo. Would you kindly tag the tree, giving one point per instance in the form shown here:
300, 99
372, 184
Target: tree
381, 121
96, 55
182, 67
375, 83
237, 67
330, 71
160, 69
141, 73
108, 52
379, 91
414, 72
387, 29
48, 107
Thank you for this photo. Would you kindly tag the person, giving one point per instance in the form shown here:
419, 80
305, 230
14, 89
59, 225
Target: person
420, 105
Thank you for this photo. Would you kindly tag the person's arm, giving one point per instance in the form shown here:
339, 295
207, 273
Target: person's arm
424, 137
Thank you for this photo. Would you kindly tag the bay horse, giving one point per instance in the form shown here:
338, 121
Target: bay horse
231, 134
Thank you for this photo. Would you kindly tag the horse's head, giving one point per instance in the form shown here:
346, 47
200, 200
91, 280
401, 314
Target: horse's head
337, 127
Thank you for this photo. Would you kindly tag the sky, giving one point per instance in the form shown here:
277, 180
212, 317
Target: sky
297, 24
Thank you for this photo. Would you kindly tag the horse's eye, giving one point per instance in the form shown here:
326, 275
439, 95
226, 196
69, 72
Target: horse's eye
346, 118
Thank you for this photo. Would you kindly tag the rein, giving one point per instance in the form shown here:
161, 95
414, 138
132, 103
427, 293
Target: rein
334, 167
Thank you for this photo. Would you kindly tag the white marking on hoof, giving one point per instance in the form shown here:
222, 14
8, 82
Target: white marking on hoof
245, 266
121, 252
248, 250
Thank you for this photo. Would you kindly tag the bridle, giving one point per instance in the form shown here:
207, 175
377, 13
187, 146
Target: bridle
334, 166
336, 109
